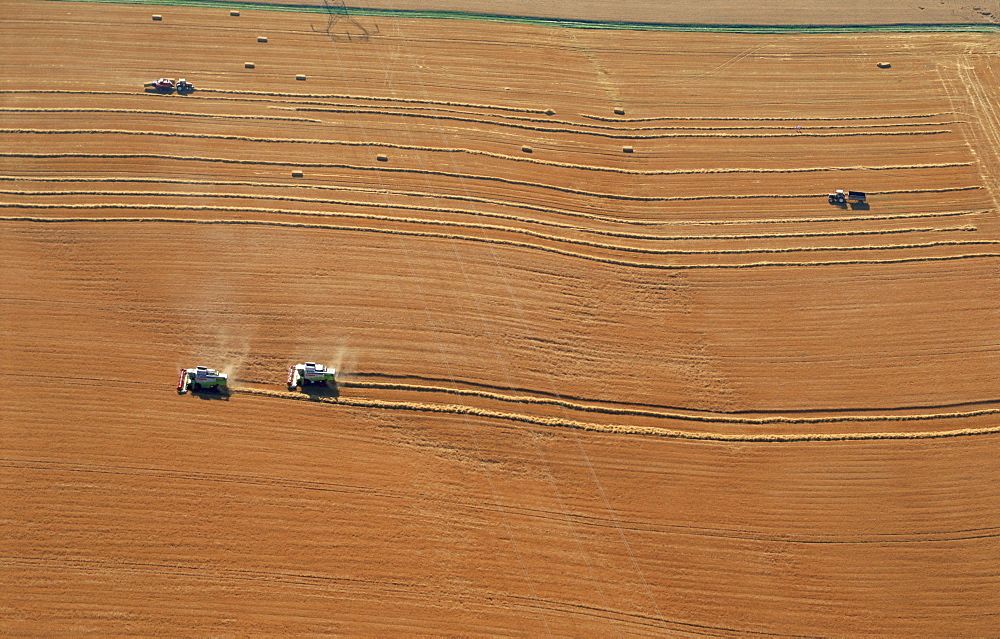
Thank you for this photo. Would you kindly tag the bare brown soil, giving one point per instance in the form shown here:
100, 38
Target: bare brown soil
583, 391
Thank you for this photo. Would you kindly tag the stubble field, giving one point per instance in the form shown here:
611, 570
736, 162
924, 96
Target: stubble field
583, 390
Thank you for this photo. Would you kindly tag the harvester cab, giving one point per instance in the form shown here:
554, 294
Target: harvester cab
310, 373
202, 378
839, 197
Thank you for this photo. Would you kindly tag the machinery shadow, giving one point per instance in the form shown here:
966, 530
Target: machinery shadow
322, 390
209, 395
860, 206
172, 91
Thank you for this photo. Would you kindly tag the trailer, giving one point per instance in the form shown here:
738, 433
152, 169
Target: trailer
202, 378
303, 375
162, 85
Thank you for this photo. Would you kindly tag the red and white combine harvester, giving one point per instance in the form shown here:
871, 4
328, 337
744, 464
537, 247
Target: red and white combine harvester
303, 375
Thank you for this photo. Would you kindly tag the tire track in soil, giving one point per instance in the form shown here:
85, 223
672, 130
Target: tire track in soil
557, 251
767, 119
508, 229
539, 208
487, 178
989, 124
579, 518
593, 407
220, 116
476, 152
411, 111
348, 584
623, 134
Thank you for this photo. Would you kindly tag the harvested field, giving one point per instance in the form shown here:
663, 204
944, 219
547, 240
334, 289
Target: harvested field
582, 391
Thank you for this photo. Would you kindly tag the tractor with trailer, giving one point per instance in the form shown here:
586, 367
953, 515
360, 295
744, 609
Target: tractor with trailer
840, 198
166, 85
202, 378
303, 375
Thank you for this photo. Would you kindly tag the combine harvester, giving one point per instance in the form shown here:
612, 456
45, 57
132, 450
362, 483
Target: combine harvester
303, 375
840, 198
202, 378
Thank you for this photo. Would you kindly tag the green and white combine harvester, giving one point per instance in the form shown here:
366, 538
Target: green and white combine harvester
202, 378
309, 373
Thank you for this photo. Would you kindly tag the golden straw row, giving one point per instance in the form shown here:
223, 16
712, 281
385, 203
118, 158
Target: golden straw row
626, 429
430, 209
536, 247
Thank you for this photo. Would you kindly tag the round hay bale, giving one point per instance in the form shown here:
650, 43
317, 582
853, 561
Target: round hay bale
248, 65
619, 111
527, 149
300, 77
550, 112
883, 65
261, 38
235, 14
382, 158
628, 149
297, 174
157, 16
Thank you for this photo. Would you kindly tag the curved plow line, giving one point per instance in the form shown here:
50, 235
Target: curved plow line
340, 96
526, 245
785, 196
550, 120
625, 429
534, 207
164, 156
433, 149
765, 119
571, 23
525, 232
547, 209
788, 121
513, 109
156, 112
279, 101
631, 136
326, 96
607, 410
343, 108
412, 207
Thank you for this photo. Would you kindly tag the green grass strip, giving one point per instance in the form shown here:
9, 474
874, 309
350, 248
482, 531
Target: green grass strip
566, 23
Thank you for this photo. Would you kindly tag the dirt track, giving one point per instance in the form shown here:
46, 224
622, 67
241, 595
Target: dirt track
584, 391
